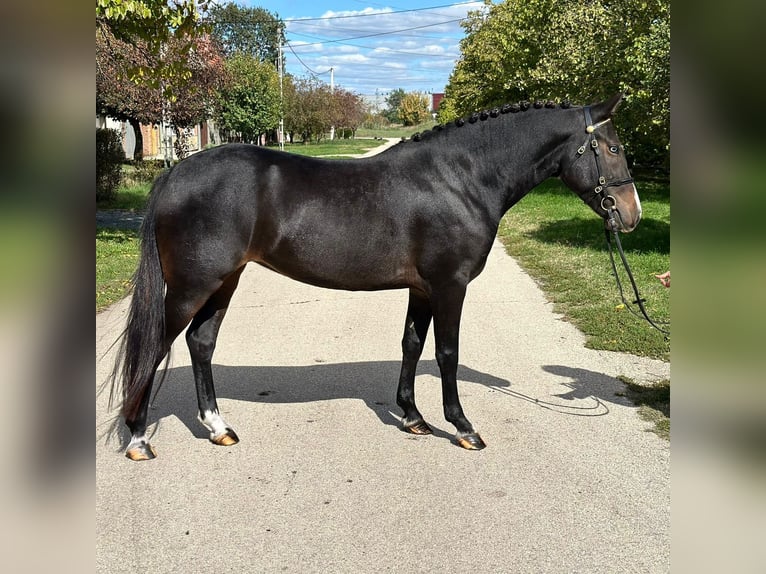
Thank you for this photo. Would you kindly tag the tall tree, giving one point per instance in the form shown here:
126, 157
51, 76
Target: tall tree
567, 49
153, 23
252, 31
248, 104
119, 97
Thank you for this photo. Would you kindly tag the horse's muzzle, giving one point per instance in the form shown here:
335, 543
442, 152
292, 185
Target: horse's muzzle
623, 209
615, 222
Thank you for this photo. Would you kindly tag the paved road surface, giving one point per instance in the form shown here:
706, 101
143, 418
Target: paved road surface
325, 481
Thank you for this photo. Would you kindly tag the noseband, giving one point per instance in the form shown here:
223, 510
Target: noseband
602, 185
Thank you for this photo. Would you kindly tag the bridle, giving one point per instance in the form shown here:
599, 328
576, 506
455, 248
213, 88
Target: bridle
600, 188
613, 229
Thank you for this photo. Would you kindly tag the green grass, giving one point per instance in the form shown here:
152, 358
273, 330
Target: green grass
131, 197
394, 131
653, 402
116, 260
560, 242
333, 148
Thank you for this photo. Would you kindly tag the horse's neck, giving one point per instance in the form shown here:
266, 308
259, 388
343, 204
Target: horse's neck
517, 154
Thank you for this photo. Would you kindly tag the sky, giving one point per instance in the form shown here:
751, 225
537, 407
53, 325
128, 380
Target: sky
373, 47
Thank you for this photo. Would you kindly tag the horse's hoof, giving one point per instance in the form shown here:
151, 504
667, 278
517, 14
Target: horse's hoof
419, 427
143, 451
471, 442
226, 439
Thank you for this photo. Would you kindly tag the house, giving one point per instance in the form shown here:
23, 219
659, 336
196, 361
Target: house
436, 100
159, 138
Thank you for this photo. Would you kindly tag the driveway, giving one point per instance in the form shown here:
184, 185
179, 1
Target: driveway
324, 480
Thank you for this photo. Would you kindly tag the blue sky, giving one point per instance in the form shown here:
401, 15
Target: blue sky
373, 47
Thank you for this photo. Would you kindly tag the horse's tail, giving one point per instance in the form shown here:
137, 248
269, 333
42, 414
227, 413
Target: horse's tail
142, 344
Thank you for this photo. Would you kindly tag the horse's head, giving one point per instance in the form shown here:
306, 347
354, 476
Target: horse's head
597, 170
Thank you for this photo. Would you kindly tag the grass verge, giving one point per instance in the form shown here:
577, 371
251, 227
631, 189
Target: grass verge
131, 197
336, 148
559, 241
653, 402
116, 260
394, 131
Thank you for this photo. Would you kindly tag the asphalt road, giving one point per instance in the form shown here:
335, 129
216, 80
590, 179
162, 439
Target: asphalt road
324, 480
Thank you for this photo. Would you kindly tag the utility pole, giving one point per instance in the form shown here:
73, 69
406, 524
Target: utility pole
281, 96
332, 91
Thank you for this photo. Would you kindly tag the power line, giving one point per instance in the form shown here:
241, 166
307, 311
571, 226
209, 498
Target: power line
304, 63
382, 33
367, 15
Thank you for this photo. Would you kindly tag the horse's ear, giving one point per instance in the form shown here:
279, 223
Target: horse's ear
604, 110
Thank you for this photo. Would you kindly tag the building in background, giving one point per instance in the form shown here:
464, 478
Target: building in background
159, 139
436, 100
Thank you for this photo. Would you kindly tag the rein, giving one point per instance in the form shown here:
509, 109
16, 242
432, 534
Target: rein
639, 300
613, 225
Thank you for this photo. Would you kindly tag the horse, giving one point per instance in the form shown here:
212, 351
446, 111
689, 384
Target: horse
421, 216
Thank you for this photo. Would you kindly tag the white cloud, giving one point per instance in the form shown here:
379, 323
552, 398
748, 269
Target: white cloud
418, 54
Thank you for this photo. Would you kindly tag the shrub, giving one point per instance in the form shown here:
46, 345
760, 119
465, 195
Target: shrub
147, 170
109, 158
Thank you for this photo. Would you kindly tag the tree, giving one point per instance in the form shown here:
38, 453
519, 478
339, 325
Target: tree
190, 99
349, 109
413, 109
248, 104
252, 31
309, 109
116, 95
581, 51
393, 101
153, 23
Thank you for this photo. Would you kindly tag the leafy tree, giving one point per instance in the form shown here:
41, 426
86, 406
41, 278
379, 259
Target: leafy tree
190, 101
309, 109
413, 109
393, 101
248, 103
252, 31
581, 51
116, 95
153, 23
349, 109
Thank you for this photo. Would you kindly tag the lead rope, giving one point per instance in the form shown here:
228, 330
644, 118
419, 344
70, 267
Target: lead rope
639, 300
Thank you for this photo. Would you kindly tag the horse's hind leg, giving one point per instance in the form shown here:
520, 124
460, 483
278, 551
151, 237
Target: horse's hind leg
177, 316
415, 331
201, 339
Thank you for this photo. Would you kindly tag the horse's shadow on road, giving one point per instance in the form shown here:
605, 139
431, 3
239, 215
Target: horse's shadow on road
373, 382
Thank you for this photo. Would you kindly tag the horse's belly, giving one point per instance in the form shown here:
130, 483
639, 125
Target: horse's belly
343, 267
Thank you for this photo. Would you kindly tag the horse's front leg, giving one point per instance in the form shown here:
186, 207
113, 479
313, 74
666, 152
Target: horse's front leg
415, 331
447, 307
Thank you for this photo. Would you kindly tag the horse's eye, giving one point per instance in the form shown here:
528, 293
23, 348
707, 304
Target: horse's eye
614, 149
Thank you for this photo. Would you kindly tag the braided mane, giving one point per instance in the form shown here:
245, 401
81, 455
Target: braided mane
484, 115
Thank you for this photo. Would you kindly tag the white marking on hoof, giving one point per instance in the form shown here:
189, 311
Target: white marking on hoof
136, 441
214, 422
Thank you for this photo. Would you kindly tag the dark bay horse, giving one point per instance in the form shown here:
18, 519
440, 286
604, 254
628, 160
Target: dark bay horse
420, 216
